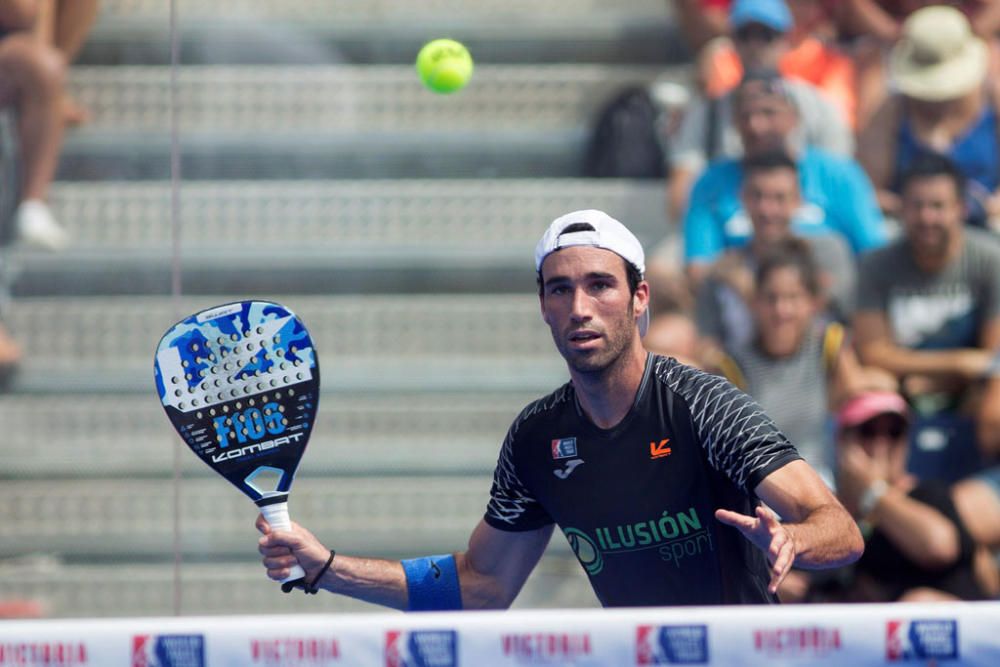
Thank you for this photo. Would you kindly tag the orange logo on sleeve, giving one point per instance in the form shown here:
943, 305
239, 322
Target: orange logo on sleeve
658, 451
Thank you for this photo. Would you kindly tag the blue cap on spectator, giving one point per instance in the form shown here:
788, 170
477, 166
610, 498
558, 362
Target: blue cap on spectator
772, 13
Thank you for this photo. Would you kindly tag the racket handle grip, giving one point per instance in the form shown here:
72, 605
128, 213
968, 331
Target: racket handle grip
277, 516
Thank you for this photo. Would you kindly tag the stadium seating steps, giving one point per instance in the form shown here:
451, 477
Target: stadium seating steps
317, 172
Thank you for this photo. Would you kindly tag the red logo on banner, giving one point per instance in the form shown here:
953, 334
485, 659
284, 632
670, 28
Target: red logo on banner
797, 641
50, 654
294, 651
546, 647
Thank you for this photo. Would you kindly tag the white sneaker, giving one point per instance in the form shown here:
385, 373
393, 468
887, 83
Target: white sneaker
37, 227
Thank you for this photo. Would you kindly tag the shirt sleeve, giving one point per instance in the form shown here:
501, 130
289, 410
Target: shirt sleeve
704, 236
854, 208
870, 293
687, 148
512, 507
824, 125
739, 439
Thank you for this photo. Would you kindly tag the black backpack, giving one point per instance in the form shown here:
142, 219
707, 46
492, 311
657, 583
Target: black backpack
625, 142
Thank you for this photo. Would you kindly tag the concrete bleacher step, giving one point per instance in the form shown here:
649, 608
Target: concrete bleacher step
320, 236
232, 587
351, 332
340, 121
133, 518
63, 436
385, 31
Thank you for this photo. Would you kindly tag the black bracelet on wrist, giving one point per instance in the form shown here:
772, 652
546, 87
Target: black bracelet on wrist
312, 589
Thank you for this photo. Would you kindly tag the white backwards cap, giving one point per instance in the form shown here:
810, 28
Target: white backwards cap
599, 230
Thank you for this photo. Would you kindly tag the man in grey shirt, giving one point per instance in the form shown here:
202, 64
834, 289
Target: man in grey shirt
928, 311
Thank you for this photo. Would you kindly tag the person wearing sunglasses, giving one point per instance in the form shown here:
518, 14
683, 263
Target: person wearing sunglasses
917, 545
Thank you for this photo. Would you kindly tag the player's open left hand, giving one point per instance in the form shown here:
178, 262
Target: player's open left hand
767, 533
282, 549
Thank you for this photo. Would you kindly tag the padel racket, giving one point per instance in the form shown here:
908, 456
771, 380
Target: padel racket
240, 383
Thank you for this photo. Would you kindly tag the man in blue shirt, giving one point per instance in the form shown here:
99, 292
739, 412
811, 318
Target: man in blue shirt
836, 194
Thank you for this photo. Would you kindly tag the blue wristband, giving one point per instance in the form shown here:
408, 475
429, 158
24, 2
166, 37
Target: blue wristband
432, 583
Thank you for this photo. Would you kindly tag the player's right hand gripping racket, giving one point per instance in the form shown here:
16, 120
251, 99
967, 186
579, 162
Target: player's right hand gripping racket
240, 383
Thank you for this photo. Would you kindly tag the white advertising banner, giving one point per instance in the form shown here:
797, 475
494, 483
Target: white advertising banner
827, 635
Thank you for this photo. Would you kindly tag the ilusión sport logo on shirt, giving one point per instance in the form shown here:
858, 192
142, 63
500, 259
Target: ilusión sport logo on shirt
675, 536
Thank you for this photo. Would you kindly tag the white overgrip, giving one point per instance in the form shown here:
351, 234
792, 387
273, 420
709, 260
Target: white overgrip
277, 517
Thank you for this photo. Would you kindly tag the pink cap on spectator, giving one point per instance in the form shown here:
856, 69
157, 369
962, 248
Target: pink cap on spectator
868, 405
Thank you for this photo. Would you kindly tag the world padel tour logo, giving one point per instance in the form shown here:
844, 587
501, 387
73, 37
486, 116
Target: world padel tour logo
921, 640
671, 645
564, 448
421, 648
168, 651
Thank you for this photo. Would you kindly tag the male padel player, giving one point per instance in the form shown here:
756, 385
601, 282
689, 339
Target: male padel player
654, 471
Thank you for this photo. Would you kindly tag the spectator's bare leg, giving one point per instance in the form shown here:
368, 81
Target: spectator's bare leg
32, 76
36, 73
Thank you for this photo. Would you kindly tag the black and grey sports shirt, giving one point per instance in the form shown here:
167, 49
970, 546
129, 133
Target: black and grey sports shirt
637, 502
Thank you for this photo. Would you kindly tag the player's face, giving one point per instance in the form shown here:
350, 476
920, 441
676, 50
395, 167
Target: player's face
933, 214
770, 197
783, 309
586, 303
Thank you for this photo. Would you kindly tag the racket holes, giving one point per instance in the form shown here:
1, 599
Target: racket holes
284, 379
225, 408
281, 408
174, 380
264, 398
211, 357
284, 422
194, 347
298, 376
194, 402
260, 330
246, 334
212, 412
293, 349
185, 363
277, 339
233, 393
220, 340
279, 352
235, 336
199, 415
181, 405
283, 366
291, 392
273, 383
178, 392
277, 395
239, 405
260, 385
246, 389
188, 377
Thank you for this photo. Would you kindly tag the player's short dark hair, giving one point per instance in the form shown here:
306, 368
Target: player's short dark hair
793, 253
928, 164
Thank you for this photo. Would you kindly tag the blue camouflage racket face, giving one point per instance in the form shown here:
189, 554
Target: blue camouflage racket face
240, 383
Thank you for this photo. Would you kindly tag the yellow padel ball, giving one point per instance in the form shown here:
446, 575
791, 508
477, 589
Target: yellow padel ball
444, 65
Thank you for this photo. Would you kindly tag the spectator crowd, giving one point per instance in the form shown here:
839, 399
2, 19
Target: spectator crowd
836, 176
